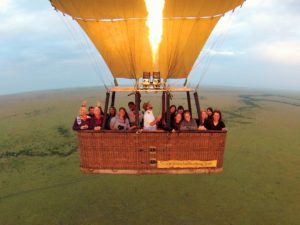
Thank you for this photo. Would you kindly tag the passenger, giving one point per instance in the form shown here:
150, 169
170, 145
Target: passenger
99, 106
180, 109
82, 122
149, 120
176, 123
91, 111
163, 123
188, 123
209, 111
111, 114
84, 103
101, 111
131, 113
121, 121
97, 120
172, 113
204, 123
216, 123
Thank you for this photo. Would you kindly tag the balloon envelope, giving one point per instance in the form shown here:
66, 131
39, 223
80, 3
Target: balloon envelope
118, 30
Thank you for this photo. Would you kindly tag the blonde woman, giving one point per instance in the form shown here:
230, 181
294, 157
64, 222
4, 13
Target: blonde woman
82, 122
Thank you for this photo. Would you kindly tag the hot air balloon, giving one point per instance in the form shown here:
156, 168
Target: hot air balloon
122, 33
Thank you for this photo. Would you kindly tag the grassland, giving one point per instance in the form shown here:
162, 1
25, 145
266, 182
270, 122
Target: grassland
40, 181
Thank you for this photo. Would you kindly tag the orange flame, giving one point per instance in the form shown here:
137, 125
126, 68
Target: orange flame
155, 24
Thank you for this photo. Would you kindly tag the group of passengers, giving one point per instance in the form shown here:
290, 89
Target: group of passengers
180, 119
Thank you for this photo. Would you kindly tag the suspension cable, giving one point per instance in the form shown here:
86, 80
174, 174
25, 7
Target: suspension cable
75, 35
208, 56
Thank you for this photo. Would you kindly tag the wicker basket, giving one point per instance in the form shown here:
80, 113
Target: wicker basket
151, 152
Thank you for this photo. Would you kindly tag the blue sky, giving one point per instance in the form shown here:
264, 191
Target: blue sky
258, 47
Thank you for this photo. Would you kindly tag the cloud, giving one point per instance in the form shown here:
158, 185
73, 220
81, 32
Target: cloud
41, 49
224, 52
256, 46
279, 52
268, 30
21, 22
4, 5
30, 35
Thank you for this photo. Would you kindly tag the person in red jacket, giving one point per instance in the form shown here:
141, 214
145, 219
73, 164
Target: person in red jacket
97, 120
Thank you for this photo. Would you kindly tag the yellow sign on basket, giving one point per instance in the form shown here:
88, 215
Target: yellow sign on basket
186, 164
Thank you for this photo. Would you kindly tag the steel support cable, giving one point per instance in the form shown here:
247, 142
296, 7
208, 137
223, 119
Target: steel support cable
214, 44
92, 56
96, 58
219, 43
92, 49
207, 62
99, 64
80, 44
74, 33
207, 58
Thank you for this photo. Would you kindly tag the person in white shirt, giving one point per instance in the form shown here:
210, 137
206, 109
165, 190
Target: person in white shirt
149, 120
